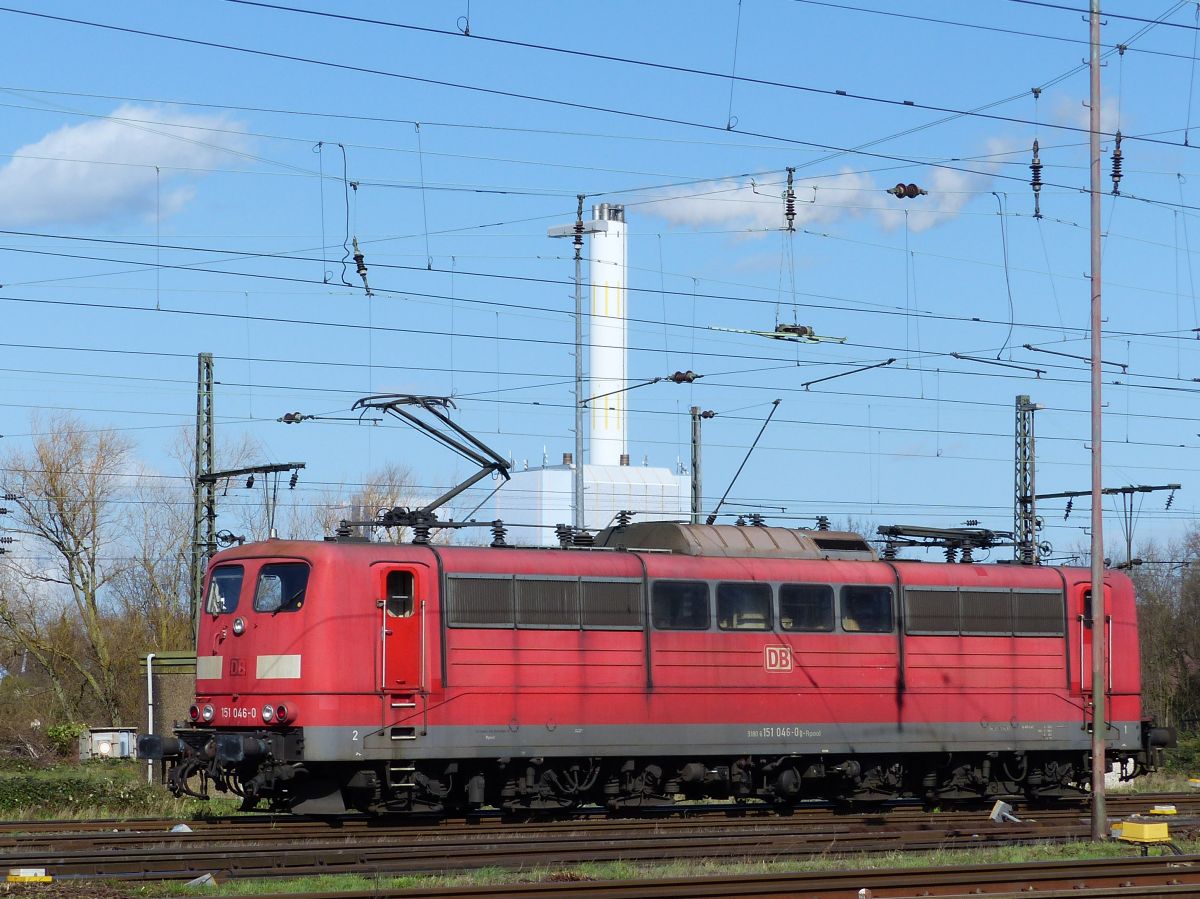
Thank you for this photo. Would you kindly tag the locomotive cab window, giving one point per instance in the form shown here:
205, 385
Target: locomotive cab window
806, 607
399, 600
281, 587
680, 605
224, 588
744, 607
867, 609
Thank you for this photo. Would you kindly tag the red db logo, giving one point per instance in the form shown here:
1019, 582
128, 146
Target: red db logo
777, 658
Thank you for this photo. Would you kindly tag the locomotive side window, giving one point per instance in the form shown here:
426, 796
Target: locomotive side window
399, 587
281, 587
931, 611
612, 604
987, 611
480, 601
547, 603
680, 605
224, 587
744, 607
867, 609
806, 607
1038, 614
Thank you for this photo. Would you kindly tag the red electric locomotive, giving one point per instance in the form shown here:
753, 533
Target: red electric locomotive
666, 661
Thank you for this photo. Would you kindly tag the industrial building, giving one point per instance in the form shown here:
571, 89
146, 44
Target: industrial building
537, 499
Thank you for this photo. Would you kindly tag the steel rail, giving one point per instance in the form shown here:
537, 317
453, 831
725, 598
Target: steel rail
239, 858
1133, 877
809, 826
683, 814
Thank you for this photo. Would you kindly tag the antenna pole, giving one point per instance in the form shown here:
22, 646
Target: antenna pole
1097, 612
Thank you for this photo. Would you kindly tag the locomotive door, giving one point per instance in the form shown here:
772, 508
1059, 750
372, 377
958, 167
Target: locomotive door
401, 604
1086, 632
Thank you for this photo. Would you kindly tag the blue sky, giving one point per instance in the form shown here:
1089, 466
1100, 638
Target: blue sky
160, 198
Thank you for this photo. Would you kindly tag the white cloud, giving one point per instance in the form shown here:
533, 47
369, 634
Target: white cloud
949, 190
744, 205
51, 182
1068, 109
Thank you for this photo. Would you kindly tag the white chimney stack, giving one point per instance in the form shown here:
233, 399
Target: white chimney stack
608, 337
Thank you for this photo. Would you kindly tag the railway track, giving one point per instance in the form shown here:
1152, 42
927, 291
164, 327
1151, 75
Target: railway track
1186, 803
269, 848
1125, 877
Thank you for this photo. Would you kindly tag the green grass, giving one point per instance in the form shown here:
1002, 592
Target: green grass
333, 883
1185, 758
1159, 782
99, 789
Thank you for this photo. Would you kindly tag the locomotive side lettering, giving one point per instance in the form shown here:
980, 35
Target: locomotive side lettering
777, 658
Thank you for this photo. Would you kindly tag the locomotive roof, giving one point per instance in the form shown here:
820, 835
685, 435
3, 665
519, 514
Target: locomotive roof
735, 540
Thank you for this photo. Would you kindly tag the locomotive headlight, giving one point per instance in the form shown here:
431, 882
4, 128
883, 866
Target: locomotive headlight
239, 626
208, 713
194, 712
268, 714
283, 713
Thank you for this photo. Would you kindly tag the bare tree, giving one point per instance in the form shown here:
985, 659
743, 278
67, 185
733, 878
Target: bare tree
69, 518
152, 591
385, 488
36, 645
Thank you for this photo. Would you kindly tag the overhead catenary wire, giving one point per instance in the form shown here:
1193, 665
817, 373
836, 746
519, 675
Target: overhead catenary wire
546, 341
976, 26
438, 296
453, 291
570, 103
694, 294
326, 363
607, 57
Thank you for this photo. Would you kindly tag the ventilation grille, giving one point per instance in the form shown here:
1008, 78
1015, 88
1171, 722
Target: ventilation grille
613, 604
547, 603
1038, 614
986, 612
932, 611
480, 601
841, 544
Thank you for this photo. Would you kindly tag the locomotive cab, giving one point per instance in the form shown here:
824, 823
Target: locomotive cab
308, 660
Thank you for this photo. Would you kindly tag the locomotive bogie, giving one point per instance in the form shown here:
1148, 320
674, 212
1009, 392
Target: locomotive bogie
517, 785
